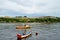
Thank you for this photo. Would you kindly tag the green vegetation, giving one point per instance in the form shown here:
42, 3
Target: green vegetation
30, 20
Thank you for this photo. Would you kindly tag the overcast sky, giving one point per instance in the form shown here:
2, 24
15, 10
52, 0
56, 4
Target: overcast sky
30, 7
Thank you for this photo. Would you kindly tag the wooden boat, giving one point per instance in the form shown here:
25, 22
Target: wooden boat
19, 36
23, 27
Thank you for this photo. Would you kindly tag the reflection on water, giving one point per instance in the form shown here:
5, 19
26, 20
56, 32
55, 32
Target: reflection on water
45, 31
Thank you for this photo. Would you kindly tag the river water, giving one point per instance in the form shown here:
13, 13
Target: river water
45, 31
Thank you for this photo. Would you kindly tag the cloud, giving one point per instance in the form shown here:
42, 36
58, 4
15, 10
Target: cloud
54, 6
26, 6
30, 6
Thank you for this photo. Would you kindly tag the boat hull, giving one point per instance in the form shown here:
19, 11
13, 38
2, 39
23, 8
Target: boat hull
23, 27
23, 36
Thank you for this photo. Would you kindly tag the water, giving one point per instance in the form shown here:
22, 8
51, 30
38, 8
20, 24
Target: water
45, 31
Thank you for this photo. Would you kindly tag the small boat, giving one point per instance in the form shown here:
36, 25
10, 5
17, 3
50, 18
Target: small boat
25, 35
23, 27
19, 36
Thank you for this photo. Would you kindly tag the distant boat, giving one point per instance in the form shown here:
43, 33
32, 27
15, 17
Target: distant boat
23, 27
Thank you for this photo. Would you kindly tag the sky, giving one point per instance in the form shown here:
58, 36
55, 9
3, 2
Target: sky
30, 8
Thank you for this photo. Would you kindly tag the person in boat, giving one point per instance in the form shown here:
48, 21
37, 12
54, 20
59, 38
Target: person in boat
24, 33
26, 25
24, 30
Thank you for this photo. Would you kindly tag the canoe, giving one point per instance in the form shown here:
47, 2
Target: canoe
23, 36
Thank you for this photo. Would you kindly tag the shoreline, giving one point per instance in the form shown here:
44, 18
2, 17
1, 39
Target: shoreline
33, 22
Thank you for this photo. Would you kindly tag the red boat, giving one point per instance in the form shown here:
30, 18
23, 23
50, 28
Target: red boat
19, 36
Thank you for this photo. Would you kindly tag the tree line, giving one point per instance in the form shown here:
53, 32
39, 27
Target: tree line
30, 20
